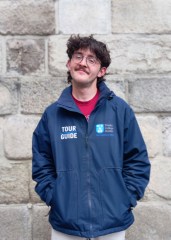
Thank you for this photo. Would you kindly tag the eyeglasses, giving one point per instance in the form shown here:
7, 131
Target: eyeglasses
90, 60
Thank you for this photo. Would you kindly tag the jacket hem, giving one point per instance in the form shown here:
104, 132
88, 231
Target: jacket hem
92, 234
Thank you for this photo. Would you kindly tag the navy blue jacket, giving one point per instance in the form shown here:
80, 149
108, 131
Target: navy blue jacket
91, 173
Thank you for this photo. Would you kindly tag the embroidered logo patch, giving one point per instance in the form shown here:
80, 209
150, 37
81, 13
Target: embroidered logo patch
105, 130
99, 128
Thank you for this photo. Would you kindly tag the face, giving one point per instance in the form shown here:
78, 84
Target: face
84, 68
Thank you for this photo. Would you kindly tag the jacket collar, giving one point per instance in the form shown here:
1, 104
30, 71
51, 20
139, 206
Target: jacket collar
66, 101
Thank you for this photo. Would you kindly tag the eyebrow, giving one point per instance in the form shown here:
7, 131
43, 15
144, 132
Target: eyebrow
90, 55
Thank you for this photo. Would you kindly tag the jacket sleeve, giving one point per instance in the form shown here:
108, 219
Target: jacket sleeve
43, 168
136, 165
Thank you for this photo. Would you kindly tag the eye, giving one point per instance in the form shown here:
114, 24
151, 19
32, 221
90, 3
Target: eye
91, 60
78, 56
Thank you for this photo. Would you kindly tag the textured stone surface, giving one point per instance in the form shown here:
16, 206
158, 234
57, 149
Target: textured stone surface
41, 227
152, 222
15, 222
150, 95
116, 85
34, 198
151, 130
26, 56
161, 178
14, 183
33, 195
27, 17
1, 59
57, 55
5, 99
148, 16
138, 53
1, 138
18, 136
89, 16
129, 54
8, 95
38, 93
167, 136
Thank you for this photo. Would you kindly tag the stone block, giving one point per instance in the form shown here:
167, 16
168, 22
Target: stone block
138, 54
5, 99
15, 222
167, 136
57, 55
8, 95
116, 85
33, 195
34, 198
141, 16
14, 183
1, 141
38, 93
3, 161
150, 95
152, 222
160, 180
89, 17
18, 132
25, 56
1, 58
27, 17
151, 131
129, 54
41, 226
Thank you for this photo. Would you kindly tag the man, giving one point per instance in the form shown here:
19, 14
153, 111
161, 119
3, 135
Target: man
89, 158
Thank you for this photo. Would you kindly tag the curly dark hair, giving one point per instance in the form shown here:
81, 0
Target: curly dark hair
75, 42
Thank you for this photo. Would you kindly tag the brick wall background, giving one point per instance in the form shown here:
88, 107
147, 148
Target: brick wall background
33, 36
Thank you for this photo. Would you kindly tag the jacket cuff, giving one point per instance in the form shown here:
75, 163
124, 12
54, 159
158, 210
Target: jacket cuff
133, 202
49, 197
133, 198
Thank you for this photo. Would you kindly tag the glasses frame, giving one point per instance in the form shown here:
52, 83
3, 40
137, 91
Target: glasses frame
78, 58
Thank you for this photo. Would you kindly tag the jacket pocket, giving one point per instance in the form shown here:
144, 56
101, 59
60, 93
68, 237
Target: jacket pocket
114, 197
64, 207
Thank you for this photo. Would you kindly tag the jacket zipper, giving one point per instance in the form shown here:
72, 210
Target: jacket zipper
89, 181
89, 199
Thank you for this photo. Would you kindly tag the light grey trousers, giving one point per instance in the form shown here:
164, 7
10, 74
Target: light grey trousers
61, 236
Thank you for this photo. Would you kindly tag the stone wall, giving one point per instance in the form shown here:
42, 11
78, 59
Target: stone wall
33, 38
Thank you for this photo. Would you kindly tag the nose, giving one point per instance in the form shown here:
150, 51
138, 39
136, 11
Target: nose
83, 61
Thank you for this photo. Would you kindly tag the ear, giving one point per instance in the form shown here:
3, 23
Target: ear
68, 64
102, 72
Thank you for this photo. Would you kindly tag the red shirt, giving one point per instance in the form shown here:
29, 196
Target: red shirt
86, 107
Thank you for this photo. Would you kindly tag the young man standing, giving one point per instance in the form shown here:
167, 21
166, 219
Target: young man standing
89, 158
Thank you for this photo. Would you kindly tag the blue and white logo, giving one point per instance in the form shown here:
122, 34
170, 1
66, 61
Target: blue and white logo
100, 128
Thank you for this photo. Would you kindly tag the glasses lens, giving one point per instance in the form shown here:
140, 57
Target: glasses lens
77, 57
90, 60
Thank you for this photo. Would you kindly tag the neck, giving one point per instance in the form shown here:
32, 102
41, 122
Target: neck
84, 93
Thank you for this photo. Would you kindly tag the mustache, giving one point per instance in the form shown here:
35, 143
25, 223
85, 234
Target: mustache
82, 69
